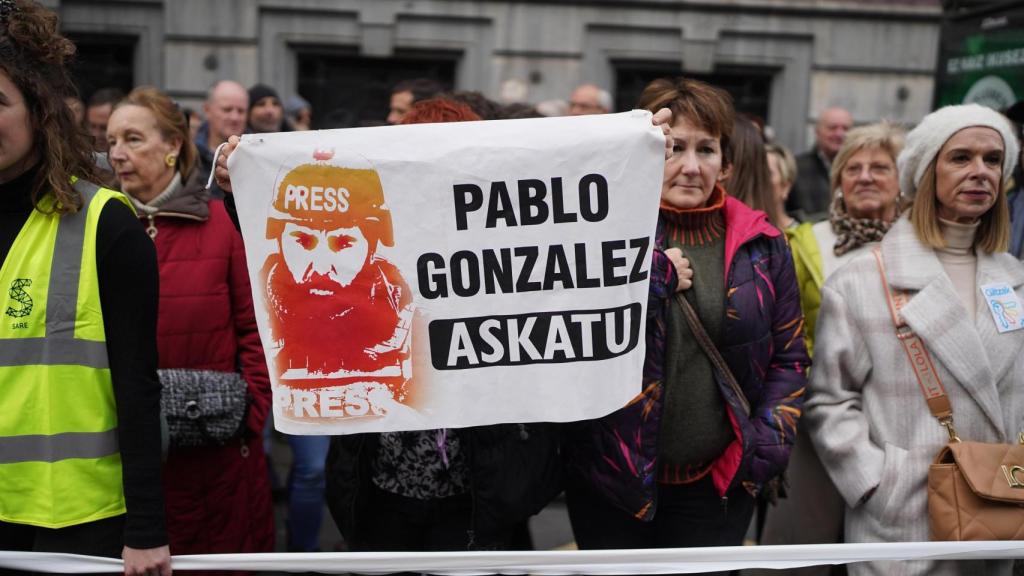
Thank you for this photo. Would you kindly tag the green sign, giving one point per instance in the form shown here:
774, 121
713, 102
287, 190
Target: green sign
982, 60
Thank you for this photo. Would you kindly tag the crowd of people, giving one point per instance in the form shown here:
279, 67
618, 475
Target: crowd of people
122, 265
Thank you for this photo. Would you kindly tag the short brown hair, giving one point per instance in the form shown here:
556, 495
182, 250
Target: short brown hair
35, 56
170, 121
993, 232
705, 105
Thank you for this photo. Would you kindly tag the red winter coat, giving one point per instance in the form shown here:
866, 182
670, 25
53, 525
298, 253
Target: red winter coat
218, 498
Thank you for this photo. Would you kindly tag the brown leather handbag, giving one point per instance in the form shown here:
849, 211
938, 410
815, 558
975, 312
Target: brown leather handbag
975, 489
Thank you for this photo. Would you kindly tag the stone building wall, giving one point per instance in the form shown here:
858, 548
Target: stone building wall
875, 58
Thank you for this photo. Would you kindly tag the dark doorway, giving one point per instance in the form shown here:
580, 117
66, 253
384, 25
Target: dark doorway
346, 89
749, 86
103, 61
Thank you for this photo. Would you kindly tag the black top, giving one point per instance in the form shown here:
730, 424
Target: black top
810, 198
129, 291
229, 205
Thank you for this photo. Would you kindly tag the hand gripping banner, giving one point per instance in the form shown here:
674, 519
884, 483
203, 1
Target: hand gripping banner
451, 275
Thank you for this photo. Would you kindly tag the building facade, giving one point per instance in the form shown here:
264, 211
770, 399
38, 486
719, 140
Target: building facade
783, 60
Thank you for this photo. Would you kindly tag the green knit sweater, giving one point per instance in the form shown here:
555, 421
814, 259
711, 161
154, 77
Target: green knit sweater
695, 426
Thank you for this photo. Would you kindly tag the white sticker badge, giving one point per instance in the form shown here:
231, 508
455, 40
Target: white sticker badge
1005, 307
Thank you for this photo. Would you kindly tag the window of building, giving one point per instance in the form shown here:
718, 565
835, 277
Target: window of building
103, 61
749, 86
346, 89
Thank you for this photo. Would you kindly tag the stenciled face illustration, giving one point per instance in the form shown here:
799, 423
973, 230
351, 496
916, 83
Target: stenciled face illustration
340, 313
323, 260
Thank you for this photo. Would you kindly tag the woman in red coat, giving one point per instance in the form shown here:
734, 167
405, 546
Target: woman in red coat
217, 496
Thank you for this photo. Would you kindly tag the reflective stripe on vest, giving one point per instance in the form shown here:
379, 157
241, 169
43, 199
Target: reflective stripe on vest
49, 351
59, 458
39, 448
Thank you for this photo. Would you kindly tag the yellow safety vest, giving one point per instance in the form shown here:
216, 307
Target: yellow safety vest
59, 458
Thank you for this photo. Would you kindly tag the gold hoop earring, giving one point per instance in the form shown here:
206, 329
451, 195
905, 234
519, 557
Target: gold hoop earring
170, 160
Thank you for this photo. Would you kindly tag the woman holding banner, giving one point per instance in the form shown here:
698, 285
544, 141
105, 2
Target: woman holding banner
79, 396
217, 490
431, 490
682, 463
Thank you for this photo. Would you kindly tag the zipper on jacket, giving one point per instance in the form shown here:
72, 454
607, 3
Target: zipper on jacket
151, 229
725, 508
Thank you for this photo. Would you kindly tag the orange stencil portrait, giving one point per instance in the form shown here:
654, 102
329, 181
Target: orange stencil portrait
340, 314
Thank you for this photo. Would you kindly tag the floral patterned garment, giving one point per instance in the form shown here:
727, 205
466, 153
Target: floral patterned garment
424, 464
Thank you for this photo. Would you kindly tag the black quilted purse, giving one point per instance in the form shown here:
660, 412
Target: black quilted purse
202, 407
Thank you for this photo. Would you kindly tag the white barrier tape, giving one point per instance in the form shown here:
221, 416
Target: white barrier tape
657, 561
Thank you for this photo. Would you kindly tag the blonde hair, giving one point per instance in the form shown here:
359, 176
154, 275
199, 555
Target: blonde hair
993, 232
881, 136
787, 162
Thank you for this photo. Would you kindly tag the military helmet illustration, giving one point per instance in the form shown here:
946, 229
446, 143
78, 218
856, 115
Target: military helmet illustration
326, 196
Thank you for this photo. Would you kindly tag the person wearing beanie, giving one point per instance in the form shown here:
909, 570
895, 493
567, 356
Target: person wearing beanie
682, 464
266, 113
299, 113
865, 409
306, 480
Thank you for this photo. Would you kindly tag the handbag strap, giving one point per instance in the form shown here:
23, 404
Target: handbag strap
697, 328
924, 369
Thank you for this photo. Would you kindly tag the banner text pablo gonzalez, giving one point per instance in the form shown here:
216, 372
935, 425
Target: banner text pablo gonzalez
541, 337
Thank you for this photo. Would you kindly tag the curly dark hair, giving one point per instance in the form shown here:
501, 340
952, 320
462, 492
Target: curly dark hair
35, 56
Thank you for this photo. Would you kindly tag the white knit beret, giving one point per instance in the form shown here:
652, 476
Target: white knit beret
924, 142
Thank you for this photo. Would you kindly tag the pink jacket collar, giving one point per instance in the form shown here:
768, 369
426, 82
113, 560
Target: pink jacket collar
743, 224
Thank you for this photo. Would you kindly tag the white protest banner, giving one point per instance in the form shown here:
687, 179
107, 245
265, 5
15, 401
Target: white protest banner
451, 275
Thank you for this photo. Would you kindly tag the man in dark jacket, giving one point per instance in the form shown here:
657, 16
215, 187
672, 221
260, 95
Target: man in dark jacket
226, 109
810, 198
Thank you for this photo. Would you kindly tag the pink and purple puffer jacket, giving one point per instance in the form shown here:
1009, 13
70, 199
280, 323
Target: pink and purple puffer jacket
762, 342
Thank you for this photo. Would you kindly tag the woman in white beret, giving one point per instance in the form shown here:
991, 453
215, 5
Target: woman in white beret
867, 415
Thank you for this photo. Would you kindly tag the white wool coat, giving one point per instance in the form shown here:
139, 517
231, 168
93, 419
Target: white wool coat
867, 416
